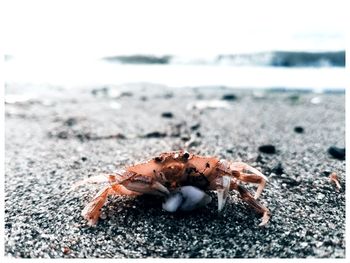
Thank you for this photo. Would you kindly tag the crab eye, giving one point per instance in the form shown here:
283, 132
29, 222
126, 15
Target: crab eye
158, 159
186, 155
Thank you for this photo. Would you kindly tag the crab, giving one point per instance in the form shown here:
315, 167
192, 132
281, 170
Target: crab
170, 171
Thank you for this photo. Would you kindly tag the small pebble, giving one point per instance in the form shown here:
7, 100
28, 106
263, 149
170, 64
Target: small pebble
320, 196
62, 135
278, 169
195, 126
268, 148
338, 153
229, 97
299, 129
155, 134
167, 115
70, 122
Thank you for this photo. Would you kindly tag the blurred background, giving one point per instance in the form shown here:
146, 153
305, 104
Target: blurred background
296, 44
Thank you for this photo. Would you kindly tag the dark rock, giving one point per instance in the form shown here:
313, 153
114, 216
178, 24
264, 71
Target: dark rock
71, 121
260, 159
338, 153
155, 134
83, 158
278, 169
167, 115
62, 135
326, 173
268, 148
229, 97
195, 126
126, 94
299, 129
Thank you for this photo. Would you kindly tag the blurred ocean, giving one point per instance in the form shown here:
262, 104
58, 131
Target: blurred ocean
300, 70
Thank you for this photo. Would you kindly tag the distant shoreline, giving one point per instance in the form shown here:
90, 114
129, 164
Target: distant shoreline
269, 58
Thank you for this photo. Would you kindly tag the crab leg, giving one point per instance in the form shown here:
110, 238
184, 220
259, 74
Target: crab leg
102, 178
250, 175
91, 212
248, 198
223, 192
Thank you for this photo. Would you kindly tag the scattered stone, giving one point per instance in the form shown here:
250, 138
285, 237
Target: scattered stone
299, 129
71, 121
338, 153
229, 97
62, 135
103, 91
278, 169
155, 134
83, 158
259, 159
268, 148
195, 126
320, 196
168, 115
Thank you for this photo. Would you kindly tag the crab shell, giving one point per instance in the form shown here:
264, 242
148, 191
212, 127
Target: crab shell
172, 170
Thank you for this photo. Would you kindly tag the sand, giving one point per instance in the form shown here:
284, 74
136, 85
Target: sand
56, 137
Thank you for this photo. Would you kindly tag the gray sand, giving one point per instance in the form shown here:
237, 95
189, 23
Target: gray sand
63, 136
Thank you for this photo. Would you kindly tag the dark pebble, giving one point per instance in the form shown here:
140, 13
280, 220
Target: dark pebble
338, 153
229, 151
155, 134
167, 115
71, 121
126, 94
259, 159
83, 158
229, 97
299, 129
278, 169
62, 135
290, 182
195, 126
267, 149
168, 95
326, 173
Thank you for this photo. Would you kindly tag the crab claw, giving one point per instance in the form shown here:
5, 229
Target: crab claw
223, 192
146, 187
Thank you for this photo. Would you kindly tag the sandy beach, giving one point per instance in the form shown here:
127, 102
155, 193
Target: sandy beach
56, 137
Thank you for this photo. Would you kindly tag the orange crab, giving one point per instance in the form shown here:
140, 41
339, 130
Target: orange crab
169, 171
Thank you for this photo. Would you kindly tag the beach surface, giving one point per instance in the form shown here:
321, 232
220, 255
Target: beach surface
56, 137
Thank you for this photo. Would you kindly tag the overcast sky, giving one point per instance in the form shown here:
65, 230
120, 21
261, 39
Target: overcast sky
99, 28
